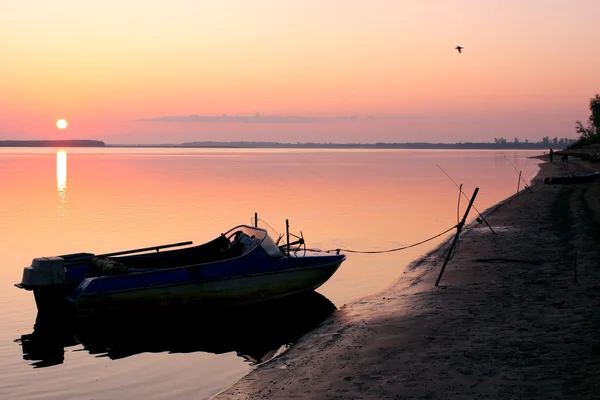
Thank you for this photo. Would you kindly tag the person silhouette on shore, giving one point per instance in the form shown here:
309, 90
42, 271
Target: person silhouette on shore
551, 155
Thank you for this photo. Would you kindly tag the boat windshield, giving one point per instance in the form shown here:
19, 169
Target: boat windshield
270, 247
258, 236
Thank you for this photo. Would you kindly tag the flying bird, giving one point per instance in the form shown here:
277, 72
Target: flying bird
459, 48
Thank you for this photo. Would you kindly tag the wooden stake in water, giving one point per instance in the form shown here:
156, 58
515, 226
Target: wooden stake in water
256, 220
459, 227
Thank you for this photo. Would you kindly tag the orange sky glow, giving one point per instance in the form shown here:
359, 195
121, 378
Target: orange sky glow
309, 71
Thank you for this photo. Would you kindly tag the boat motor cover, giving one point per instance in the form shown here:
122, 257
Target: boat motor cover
44, 271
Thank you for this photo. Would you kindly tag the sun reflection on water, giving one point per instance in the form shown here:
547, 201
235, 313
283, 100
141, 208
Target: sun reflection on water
61, 180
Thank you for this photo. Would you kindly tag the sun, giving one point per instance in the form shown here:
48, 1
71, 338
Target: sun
61, 124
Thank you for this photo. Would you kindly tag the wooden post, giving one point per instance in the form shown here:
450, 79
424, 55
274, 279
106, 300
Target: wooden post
458, 230
287, 234
256, 220
466, 197
513, 165
519, 182
458, 208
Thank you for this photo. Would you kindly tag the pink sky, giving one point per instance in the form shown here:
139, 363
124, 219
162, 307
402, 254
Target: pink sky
289, 71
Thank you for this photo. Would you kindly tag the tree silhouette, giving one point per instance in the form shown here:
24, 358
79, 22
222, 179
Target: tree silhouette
591, 132
595, 109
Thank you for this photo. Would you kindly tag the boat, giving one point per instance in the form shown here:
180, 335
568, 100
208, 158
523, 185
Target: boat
583, 177
241, 266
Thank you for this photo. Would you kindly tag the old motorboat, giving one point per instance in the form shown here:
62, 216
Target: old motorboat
242, 266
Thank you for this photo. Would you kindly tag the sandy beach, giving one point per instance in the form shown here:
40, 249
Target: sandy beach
514, 317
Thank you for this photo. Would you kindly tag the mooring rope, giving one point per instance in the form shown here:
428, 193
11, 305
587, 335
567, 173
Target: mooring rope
391, 250
414, 244
256, 219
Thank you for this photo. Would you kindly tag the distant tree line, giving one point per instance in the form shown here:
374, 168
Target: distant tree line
499, 143
51, 143
545, 142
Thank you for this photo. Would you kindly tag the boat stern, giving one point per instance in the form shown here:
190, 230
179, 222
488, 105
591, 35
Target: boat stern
46, 277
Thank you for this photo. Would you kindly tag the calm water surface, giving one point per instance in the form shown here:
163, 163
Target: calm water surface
57, 201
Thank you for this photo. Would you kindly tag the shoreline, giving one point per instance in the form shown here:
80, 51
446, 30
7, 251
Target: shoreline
510, 319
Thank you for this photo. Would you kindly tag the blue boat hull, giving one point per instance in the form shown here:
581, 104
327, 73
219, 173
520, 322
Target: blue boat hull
226, 291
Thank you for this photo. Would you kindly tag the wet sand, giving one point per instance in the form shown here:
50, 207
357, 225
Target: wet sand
516, 314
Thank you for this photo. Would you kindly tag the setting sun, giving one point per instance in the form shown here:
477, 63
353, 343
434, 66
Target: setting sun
61, 124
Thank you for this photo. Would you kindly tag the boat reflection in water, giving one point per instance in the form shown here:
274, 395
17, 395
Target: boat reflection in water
256, 333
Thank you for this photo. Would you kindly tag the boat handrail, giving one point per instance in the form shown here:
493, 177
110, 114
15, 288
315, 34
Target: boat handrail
157, 248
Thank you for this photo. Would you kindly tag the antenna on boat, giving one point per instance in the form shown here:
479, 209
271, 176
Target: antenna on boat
300, 243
